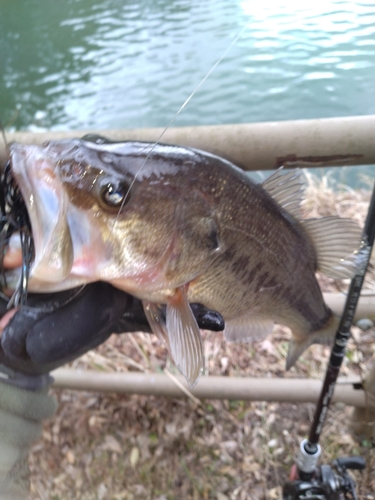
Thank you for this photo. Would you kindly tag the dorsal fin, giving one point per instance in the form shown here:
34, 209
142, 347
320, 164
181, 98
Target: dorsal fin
286, 188
337, 242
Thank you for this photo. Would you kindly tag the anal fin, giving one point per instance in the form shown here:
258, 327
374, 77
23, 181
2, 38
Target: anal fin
247, 328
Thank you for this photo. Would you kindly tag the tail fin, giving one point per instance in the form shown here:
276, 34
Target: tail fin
325, 336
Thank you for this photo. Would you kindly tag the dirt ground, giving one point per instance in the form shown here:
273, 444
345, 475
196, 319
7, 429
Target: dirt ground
102, 446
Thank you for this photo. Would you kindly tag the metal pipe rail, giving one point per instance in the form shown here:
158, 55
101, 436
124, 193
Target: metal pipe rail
365, 307
258, 146
254, 146
232, 388
347, 391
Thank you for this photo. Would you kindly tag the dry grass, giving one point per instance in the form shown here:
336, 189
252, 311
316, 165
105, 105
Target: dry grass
136, 447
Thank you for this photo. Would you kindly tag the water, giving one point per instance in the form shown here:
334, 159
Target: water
122, 64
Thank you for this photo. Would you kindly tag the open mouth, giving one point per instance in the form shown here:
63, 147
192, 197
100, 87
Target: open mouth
14, 220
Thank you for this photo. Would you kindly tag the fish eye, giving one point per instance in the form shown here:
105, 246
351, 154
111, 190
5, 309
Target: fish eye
114, 194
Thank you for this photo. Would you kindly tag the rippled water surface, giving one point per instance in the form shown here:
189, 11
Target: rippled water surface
105, 64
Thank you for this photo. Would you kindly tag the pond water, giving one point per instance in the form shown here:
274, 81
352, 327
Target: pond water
123, 64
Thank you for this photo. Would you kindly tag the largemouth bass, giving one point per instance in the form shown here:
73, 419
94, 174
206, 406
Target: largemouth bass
173, 225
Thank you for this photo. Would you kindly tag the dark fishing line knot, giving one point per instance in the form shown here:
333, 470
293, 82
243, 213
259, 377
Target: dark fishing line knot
14, 218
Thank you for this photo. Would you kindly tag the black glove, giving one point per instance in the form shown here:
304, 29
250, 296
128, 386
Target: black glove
56, 328
50, 331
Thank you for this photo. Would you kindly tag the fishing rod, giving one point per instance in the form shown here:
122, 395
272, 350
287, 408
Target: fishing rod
326, 482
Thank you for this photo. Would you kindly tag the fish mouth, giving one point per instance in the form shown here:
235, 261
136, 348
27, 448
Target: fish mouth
33, 169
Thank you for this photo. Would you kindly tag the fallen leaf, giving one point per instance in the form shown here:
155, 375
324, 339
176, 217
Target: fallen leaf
111, 444
275, 493
134, 457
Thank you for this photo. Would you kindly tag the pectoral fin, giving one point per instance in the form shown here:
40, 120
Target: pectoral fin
180, 331
184, 337
156, 319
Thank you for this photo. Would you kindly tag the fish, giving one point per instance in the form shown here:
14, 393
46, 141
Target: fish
174, 225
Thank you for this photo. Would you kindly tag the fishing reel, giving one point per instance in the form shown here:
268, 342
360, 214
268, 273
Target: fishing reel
328, 482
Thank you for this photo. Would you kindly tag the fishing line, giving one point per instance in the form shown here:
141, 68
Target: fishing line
3, 133
14, 218
2, 197
185, 103
4, 222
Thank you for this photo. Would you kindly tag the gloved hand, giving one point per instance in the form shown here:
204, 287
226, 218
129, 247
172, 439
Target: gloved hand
54, 329
50, 331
